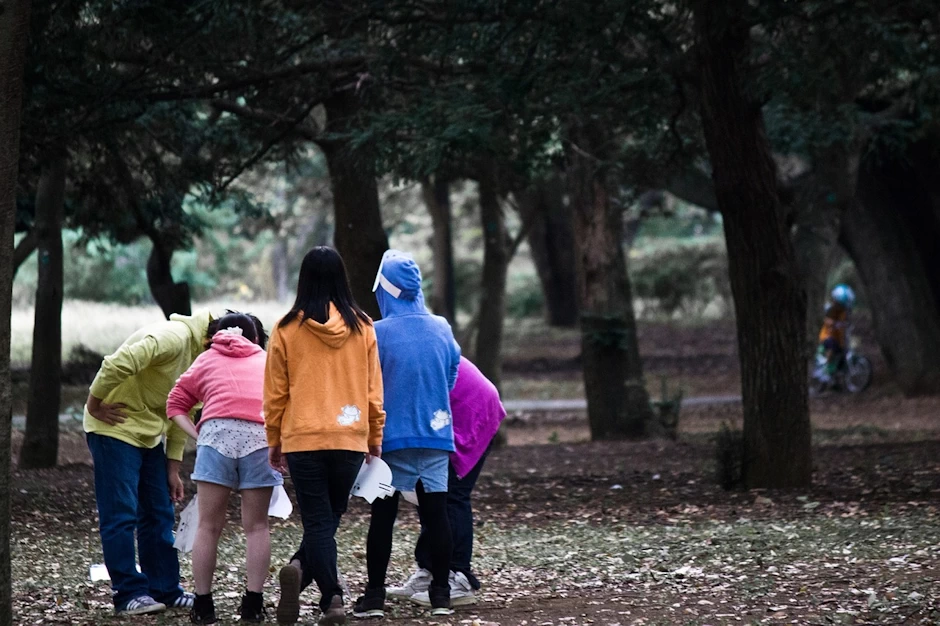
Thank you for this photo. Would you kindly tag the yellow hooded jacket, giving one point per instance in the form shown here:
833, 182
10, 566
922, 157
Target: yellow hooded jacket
323, 387
141, 373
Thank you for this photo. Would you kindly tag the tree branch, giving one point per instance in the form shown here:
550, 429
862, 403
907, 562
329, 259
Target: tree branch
24, 248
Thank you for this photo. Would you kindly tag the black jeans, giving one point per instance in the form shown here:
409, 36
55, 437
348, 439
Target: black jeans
322, 480
460, 513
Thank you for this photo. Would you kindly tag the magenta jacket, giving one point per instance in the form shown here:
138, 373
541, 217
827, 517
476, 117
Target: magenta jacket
228, 378
477, 413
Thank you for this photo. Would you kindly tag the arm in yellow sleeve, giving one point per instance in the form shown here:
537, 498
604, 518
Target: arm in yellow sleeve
376, 393
175, 442
276, 388
127, 361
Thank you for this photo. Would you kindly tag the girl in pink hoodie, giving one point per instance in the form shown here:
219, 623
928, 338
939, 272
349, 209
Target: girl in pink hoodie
232, 453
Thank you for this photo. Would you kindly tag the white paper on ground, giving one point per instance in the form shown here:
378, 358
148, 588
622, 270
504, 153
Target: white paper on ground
410, 496
280, 503
374, 481
186, 531
99, 572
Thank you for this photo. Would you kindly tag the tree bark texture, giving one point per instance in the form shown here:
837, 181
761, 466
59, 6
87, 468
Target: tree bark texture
14, 30
359, 236
170, 296
24, 249
821, 206
618, 403
770, 304
893, 237
551, 242
436, 194
489, 341
41, 441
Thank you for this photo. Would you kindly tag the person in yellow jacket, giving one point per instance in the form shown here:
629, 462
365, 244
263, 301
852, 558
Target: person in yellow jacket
323, 411
136, 481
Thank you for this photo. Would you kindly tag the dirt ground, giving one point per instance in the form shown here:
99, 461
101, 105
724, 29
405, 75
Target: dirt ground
610, 533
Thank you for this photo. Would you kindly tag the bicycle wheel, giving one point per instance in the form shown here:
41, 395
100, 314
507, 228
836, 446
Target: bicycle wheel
858, 373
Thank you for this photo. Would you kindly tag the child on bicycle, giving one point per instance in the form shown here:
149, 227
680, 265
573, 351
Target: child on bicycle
832, 337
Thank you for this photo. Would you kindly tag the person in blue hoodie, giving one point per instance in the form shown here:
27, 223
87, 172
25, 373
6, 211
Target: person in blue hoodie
419, 358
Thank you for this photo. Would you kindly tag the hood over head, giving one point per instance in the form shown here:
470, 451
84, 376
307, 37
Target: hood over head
398, 285
234, 344
334, 332
198, 324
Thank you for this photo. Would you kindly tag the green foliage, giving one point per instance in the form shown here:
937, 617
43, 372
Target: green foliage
680, 277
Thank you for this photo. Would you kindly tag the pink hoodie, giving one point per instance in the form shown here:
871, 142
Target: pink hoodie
228, 379
477, 413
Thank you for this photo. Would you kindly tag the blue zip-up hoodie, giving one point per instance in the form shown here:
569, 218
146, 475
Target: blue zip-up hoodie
419, 358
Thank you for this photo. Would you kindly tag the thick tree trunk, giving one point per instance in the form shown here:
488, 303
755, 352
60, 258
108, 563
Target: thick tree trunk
492, 312
890, 239
770, 305
551, 242
436, 194
359, 236
820, 209
618, 403
41, 442
14, 29
170, 296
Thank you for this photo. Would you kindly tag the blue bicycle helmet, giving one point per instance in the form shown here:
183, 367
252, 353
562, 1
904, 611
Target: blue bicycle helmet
843, 294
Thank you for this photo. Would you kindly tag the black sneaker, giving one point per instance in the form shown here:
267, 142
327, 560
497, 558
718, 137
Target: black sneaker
252, 608
372, 604
203, 611
440, 600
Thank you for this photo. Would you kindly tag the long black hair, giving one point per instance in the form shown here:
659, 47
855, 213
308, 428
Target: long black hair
323, 280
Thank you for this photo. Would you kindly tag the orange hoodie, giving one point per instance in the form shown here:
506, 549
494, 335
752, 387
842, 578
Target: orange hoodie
323, 387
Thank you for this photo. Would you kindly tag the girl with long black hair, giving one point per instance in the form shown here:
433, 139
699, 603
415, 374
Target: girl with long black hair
323, 411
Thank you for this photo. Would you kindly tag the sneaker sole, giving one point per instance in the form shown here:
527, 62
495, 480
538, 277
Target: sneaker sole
441, 611
373, 614
146, 610
464, 601
288, 607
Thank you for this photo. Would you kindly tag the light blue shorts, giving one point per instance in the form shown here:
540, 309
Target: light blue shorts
248, 472
413, 464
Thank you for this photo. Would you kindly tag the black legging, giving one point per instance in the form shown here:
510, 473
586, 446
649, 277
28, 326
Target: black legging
433, 507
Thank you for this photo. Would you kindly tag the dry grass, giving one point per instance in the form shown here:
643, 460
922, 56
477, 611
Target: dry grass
102, 327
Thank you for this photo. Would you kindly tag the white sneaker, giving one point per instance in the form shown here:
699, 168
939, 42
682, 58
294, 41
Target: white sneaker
143, 605
417, 583
461, 593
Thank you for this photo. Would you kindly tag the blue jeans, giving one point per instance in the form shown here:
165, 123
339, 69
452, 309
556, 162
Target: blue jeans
322, 481
132, 494
460, 513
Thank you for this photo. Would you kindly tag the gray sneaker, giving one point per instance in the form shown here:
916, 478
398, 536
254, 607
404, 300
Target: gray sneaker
335, 615
142, 605
417, 583
461, 592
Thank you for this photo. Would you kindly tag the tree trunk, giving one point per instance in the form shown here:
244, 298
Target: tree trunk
436, 195
489, 344
820, 209
14, 29
41, 442
172, 297
551, 242
359, 235
24, 249
886, 239
279, 264
618, 403
770, 305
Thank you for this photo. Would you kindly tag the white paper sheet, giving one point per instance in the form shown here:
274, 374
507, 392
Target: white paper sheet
374, 481
186, 531
280, 504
